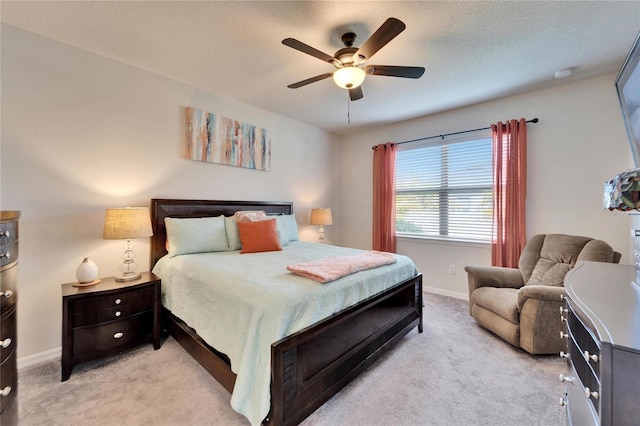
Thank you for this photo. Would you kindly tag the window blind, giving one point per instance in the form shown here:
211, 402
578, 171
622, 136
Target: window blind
444, 189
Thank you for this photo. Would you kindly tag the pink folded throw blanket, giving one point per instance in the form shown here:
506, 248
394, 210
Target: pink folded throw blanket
332, 268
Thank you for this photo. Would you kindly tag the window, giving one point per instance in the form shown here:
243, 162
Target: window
444, 189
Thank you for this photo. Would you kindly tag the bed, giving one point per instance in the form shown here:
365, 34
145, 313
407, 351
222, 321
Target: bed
312, 364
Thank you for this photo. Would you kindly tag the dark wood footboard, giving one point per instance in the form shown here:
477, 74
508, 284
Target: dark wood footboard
312, 365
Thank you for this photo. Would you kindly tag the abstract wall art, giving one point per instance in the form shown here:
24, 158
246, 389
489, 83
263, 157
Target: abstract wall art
222, 140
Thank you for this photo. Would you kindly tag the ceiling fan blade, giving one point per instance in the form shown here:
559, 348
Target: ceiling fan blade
394, 71
310, 80
383, 35
355, 94
305, 48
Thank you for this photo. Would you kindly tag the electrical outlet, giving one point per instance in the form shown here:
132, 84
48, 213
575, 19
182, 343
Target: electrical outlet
452, 269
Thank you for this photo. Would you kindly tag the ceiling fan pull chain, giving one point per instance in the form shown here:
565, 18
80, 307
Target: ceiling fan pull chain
348, 109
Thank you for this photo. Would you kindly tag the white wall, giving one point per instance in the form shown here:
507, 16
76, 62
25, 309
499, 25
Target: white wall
81, 133
579, 143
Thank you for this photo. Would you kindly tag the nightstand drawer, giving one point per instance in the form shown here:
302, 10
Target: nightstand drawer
7, 334
108, 308
104, 308
8, 381
112, 336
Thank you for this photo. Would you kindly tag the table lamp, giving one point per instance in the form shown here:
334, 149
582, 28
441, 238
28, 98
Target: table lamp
321, 217
127, 223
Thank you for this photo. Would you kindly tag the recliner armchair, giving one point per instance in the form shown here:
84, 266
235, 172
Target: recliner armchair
522, 305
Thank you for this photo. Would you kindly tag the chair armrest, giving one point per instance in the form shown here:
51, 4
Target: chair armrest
540, 292
492, 276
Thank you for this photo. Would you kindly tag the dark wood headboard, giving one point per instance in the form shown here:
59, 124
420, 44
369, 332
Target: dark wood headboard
162, 207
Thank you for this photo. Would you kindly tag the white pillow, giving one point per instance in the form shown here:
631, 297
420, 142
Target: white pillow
195, 235
287, 227
233, 236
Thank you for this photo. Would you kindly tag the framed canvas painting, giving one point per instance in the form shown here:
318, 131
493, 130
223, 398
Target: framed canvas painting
628, 88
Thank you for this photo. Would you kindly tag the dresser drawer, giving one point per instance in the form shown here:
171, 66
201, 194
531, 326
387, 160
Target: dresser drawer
8, 282
586, 343
7, 334
8, 253
8, 381
8, 232
111, 307
112, 336
580, 411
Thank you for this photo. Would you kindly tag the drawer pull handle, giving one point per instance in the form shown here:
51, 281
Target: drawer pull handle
565, 355
118, 335
118, 313
6, 391
590, 394
5, 234
563, 297
6, 294
567, 379
6, 255
592, 357
118, 301
563, 311
563, 402
564, 335
5, 343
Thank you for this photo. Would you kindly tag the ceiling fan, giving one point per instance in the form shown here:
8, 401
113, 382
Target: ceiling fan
350, 61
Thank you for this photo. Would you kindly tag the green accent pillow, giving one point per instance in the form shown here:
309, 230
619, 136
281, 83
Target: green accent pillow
195, 235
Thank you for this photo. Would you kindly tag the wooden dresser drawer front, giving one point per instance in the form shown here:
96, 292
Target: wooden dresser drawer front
136, 300
7, 334
113, 314
585, 343
581, 412
113, 335
8, 232
8, 381
8, 253
8, 283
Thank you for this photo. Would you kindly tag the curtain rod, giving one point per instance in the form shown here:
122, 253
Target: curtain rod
534, 120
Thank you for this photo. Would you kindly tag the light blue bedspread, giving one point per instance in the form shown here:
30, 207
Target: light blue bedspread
241, 303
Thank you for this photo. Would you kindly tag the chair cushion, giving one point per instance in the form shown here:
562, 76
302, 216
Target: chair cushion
501, 301
558, 254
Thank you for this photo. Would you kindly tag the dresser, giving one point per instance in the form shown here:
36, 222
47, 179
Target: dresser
603, 345
8, 306
108, 318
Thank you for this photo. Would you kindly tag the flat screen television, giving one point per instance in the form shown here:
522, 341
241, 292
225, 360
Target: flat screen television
628, 88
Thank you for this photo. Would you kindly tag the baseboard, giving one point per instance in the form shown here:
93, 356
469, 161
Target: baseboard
40, 358
449, 293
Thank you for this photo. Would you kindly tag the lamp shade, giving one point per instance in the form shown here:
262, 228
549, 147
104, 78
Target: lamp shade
321, 217
349, 77
127, 223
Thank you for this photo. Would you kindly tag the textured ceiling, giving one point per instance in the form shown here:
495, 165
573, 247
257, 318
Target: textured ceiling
473, 51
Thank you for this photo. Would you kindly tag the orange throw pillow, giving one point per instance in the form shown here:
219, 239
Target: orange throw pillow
259, 236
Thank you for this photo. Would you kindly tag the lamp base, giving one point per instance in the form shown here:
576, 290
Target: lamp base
128, 277
321, 238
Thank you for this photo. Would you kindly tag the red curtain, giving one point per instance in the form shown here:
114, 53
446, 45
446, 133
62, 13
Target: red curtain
510, 189
384, 199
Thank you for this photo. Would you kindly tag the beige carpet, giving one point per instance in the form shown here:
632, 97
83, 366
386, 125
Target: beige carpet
455, 373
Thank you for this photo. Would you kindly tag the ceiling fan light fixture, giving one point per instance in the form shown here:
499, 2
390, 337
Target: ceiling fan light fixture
349, 77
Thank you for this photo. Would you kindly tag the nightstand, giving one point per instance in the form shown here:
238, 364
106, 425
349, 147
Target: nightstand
108, 318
